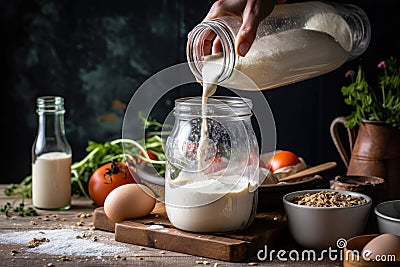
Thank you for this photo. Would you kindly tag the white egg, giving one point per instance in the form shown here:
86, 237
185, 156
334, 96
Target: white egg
129, 201
382, 246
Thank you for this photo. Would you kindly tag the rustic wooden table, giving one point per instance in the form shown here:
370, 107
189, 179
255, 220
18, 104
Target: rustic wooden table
80, 244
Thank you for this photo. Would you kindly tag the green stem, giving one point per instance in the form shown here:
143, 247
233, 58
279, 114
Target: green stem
87, 158
135, 143
76, 179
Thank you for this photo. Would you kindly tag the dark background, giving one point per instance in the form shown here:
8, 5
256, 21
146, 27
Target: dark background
97, 53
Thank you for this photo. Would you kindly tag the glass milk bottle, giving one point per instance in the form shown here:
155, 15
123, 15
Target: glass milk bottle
295, 42
51, 157
214, 191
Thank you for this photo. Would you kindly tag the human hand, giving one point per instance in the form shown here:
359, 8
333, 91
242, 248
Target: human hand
252, 13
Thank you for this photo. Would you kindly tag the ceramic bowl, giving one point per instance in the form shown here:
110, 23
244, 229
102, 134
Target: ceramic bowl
388, 217
322, 227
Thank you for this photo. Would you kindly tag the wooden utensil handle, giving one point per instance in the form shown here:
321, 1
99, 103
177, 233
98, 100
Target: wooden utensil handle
310, 171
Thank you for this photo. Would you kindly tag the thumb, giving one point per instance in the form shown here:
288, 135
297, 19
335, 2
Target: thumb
247, 33
244, 39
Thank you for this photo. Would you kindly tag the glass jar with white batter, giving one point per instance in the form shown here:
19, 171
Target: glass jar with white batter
295, 42
51, 157
212, 165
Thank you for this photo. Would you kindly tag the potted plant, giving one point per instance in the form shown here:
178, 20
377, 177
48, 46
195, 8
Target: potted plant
380, 102
374, 124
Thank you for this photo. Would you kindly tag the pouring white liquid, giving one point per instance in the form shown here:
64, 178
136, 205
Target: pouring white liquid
286, 49
210, 74
215, 202
203, 202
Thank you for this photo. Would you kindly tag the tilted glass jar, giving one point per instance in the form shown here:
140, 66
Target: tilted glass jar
295, 42
51, 157
215, 191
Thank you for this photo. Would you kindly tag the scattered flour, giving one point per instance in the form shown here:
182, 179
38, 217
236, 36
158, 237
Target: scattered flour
155, 227
158, 227
62, 242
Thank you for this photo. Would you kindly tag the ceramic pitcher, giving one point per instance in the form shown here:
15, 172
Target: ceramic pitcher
375, 151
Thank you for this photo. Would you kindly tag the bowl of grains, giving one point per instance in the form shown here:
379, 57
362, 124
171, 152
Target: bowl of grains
323, 218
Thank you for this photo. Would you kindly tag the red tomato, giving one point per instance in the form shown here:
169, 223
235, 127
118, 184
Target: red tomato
106, 178
282, 159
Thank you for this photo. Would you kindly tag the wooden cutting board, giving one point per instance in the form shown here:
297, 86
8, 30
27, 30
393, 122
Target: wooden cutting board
155, 230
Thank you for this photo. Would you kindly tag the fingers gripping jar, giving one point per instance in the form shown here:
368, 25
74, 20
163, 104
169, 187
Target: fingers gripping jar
295, 42
215, 191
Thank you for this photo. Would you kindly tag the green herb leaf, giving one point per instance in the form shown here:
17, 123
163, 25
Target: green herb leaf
378, 103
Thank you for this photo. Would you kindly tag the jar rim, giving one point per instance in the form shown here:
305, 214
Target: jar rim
50, 104
216, 106
50, 99
195, 56
197, 100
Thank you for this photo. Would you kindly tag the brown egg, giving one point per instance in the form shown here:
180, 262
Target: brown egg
382, 248
129, 201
